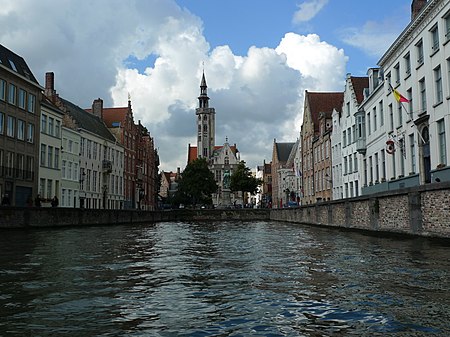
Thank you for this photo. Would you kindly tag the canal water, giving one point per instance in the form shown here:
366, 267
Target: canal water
221, 279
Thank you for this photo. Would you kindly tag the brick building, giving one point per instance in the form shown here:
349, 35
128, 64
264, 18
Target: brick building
20, 96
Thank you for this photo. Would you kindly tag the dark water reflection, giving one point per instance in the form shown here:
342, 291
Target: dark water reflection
221, 279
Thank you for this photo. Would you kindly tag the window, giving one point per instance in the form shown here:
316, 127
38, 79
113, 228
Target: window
29, 168
371, 170
412, 152
13, 65
447, 26
407, 61
365, 171
374, 118
51, 124
410, 104
368, 124
419, 50
400, 114
56, 165
377, 174
423, 95
2, 123
44, 123
383, 165
20, 129
9, 164
348, 109
441, 142
30, 133
12, 94
69, 170
43, 152
49, 188
349, 136
434, 38
31, 103
355, 164
22, 98
2, 90
63, 169
10, 131
397, 73
391, 117
448, 73
381, 113
20, 166
402, 156
350, 164
389, 81
438, 84
345, 165
344, 138
57, 129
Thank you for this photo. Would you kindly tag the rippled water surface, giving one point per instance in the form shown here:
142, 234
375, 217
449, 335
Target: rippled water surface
221, 279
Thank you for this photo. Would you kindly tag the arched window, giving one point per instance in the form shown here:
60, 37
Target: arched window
205, 128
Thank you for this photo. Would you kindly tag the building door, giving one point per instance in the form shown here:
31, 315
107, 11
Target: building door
426, 156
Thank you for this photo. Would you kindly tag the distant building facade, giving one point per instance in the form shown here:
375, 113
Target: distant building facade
20, 110
315, 135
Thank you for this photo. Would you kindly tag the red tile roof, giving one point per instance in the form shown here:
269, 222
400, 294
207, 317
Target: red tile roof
359, 84
323, 102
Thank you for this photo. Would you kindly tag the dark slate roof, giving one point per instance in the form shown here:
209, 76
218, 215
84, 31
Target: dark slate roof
16, 63
87, 121
283, 151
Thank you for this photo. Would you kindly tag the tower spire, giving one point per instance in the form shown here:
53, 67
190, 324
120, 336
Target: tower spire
203, 98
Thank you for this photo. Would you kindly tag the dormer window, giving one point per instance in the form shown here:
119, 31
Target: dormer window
13, 65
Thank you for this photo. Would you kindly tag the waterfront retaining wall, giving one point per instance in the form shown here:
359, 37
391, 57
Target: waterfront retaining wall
423, 210
17, 217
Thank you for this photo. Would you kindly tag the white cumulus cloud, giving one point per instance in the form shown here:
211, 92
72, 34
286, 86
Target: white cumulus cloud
257, 96
308, 10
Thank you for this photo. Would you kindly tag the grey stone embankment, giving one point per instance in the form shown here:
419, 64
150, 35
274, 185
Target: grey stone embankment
420, 211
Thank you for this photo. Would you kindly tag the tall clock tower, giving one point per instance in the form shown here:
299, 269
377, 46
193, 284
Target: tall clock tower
206, 123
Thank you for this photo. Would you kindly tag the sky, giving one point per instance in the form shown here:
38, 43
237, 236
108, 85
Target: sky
258, 56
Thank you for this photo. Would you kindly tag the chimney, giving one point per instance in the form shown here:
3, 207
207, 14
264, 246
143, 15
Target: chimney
97, 107
50, 91
416, 8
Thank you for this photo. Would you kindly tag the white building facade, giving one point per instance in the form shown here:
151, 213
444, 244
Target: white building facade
70, 169
50, 152
405, 143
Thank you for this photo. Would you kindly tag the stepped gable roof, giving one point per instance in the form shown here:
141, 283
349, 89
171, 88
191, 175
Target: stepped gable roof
88, 121
324, 102
111, 116
359, 84
283, 151
16, 63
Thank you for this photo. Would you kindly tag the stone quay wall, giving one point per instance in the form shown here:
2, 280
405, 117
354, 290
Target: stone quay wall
422, 211
18, 217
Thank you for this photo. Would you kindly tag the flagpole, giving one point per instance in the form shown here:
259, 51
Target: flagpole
397, 94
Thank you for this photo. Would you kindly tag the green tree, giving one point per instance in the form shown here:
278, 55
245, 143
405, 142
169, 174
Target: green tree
243, 181
196, 184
